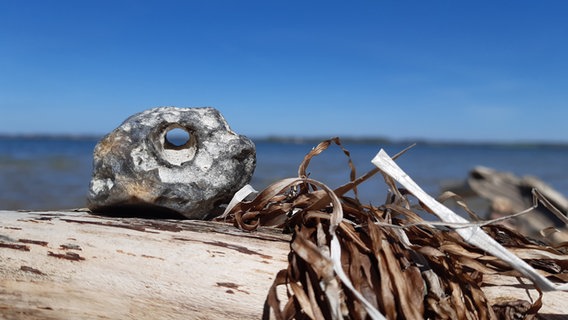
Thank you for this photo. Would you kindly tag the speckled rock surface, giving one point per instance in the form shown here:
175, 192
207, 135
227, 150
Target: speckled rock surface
137, 167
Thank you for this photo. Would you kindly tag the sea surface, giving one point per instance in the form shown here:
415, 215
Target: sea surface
41, 173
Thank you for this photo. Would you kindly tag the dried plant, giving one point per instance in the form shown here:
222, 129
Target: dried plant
355, 261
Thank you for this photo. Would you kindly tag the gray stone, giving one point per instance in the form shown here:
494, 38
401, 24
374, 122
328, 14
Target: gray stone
137, 168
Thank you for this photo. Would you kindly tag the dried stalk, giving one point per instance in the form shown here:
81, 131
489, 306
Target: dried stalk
349, 260
471, 234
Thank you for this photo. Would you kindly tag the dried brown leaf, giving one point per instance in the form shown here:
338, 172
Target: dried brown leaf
350, 260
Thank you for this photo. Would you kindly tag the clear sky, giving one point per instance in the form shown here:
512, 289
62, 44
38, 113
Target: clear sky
446, 70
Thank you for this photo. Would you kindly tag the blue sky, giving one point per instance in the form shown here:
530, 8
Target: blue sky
444, 70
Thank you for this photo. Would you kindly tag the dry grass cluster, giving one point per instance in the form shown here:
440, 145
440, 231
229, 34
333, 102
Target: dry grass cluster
355, 261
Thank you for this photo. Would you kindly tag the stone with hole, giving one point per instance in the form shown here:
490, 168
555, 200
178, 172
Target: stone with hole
170, 161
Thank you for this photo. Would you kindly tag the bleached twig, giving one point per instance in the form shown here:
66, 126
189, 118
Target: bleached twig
474, 235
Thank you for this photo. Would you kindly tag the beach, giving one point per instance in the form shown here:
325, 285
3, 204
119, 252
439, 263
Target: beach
63, 262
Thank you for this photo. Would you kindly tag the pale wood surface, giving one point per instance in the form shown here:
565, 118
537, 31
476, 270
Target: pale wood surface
134, 270
152, 269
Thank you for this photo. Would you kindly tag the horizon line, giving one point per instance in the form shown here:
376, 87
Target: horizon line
298, 139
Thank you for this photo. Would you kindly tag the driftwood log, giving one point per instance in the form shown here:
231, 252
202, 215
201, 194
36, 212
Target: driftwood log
73, 265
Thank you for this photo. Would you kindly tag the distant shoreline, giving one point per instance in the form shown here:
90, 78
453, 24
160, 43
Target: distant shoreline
49, 137
316, 140
428, 142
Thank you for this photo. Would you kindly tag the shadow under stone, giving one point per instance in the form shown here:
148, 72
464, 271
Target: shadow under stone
139, 211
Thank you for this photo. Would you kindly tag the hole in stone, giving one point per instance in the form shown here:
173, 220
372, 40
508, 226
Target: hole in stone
176, 143
177, 138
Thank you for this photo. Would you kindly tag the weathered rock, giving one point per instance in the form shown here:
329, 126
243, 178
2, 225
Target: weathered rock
505, 194
137, 166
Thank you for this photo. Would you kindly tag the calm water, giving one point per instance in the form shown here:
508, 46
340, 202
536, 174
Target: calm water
54, 173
